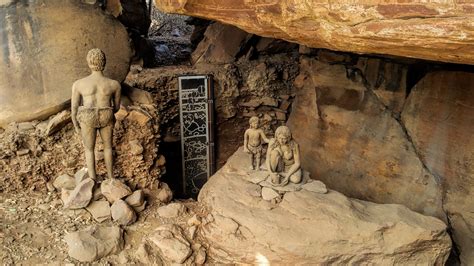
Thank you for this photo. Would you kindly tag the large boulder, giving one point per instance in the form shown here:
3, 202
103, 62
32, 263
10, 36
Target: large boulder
43, 51
313, 228
354, 144
439, 117
434, 30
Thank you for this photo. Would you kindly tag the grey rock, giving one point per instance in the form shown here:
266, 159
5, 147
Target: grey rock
140, 208
165, 194
57, 122
64, 182
122, 213
171, 243
81, 195
114, 189
171, 210
100, 210
316, 186
136, 199
269, 194
94, 243
81, 175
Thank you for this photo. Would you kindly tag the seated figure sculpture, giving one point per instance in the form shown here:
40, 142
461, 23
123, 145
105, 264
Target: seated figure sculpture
253, 140
94, 101
283, 158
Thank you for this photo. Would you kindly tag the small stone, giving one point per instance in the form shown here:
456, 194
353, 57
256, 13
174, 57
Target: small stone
97, 194
25, 126
161, 161
64, 182
171, 210
80, 175
195, 220
281, 116
165, 194
136, 199
140, 208
138, 117
135, 147
200, 256
192, 232
255, 102
22, 152
269, 101
269, 194
50, 187
65, 193
146, 255
114, 189
58, 122
316, 186
171, 243
80, 196
94, 243
100, 210
122, 213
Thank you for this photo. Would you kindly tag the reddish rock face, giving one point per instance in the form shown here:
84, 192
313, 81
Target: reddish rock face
440, 31
439, 117
353, 143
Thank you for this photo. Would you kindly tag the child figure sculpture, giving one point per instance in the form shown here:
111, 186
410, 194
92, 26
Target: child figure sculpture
253, 140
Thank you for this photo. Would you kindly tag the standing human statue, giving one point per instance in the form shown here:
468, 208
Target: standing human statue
94, 101
254, 137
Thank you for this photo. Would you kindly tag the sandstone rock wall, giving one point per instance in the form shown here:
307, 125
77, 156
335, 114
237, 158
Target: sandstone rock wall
43, 47
433, 30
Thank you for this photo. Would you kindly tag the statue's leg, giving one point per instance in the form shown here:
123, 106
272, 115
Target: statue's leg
275, 158
258, 159
106, 133
296, 177
252, 161
88, 138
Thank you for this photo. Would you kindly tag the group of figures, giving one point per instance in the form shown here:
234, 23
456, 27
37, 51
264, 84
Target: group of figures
282, 157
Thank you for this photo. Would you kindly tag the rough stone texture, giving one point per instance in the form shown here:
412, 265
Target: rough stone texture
80, 175
100, 210
64, 182
439, 117
434, 30
136, 199
94, 243
269, 194
114, 189
171, 210
170, 243
165, 194
220, 45
311, 228
81, 195
316, 187
353, 143
63, 153
43, 52
122, 213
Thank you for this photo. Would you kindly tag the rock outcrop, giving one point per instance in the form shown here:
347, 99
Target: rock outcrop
43, 51
313, 228
439, 117
439, 31
353, 143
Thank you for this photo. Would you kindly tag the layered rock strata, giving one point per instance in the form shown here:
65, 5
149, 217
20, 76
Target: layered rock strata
309, 227
440, 31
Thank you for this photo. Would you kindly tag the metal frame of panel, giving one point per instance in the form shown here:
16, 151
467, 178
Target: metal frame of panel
196, 114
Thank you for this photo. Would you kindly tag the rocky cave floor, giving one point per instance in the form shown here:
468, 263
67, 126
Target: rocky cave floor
34, 226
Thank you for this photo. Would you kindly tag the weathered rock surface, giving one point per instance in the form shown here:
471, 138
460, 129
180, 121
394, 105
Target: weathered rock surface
122, 213
43, 52
94, 243
312, 228
316, 187
64, 182
439, 117
100, 210
350, 141
114, 189
136, 199
171, 243
81, 195
439, 31
171, 210
165, 194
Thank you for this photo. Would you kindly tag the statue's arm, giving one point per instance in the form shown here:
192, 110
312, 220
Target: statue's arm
246, 139
264, 138
75, 101
117, 96
296, 156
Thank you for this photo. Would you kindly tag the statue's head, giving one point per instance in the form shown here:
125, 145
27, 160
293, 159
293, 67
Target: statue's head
283, 134
253, 121
96, 59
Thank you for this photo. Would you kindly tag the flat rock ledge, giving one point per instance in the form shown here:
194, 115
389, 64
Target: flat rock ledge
313, 228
